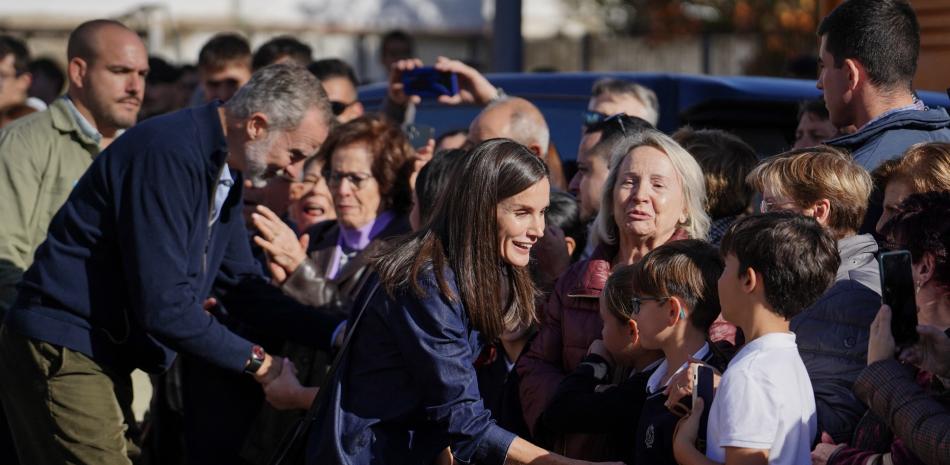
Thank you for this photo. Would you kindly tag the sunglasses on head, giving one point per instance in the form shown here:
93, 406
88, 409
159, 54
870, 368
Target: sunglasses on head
591, 118
621, 122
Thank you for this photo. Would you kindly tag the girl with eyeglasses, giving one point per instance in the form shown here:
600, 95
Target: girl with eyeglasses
656, 313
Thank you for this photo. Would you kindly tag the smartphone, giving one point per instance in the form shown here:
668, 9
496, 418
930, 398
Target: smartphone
418, 134
703, 388
429, 82
897, 291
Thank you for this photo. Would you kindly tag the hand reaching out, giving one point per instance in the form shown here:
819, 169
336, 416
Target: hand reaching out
285, 391
397, 93
285, 252
824, 449
473, 87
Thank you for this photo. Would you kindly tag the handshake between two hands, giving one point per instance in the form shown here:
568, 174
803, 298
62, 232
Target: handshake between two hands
282, 389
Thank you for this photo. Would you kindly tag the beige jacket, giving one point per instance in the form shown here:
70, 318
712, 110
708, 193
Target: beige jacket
41, 158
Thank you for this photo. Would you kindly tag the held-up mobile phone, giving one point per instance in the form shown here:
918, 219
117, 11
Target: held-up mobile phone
429, 82
703, 388
897, 291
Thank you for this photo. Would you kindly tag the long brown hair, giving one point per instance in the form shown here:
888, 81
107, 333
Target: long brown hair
463, 235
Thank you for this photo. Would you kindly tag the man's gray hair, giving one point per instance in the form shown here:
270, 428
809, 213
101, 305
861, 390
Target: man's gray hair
647, 97
533, 127
283, 92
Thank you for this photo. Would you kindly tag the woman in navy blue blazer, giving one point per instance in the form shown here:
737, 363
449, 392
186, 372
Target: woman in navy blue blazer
407, 387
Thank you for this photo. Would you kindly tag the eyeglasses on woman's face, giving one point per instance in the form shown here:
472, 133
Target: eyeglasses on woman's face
357, 180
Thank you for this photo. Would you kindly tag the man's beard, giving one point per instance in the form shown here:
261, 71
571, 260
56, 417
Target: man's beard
107, 113
255, 159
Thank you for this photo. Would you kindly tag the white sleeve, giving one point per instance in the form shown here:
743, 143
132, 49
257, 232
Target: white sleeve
749, 413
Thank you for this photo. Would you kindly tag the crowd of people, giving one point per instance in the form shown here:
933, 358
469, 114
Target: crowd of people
307, 283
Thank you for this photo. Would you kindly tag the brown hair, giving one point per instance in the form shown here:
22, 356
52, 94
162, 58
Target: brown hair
463, 236
726, 161
807, 175
796, 257
925, 167
223, 50
688, 270
883, 173
82, 40
392, 156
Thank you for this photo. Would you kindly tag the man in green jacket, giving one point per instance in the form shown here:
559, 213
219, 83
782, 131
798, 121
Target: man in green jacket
43, 155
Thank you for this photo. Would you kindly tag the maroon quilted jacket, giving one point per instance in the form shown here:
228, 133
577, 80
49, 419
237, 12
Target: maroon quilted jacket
569, 323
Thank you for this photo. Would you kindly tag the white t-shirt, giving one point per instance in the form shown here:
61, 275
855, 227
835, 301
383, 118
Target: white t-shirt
764, 401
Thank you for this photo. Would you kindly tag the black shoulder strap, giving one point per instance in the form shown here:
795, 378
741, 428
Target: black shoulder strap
292, 446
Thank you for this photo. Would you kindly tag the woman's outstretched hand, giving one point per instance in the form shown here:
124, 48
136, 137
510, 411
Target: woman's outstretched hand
284, 251
285, 391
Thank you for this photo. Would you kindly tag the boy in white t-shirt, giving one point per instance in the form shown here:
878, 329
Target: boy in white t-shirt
777, 264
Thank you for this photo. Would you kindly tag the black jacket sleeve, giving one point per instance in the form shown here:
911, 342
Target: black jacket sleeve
579, 406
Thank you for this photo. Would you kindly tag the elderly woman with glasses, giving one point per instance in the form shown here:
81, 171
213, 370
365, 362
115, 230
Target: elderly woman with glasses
653, 194
366, 165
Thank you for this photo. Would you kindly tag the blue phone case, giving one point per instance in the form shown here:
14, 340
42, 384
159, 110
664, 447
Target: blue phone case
429, 82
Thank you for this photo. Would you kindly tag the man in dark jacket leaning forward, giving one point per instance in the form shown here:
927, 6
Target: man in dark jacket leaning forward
146, 233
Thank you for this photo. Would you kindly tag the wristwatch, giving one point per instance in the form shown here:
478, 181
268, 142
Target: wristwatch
255, 361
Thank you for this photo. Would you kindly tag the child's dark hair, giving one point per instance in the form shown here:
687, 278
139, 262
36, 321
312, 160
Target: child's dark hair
796, 256
565, 213
688, 270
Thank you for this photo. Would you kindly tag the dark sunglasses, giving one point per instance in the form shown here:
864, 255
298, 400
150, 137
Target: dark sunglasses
339, 107
624, 124
593, 117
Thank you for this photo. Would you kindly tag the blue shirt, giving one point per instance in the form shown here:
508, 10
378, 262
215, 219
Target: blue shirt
406, 388
225, 181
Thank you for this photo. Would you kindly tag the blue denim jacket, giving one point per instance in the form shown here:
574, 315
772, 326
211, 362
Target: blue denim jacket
407, 387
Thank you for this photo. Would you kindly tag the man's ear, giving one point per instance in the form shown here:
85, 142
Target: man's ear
748, 279
25, 80
77, 69
256, 126
536, 150
856, 73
